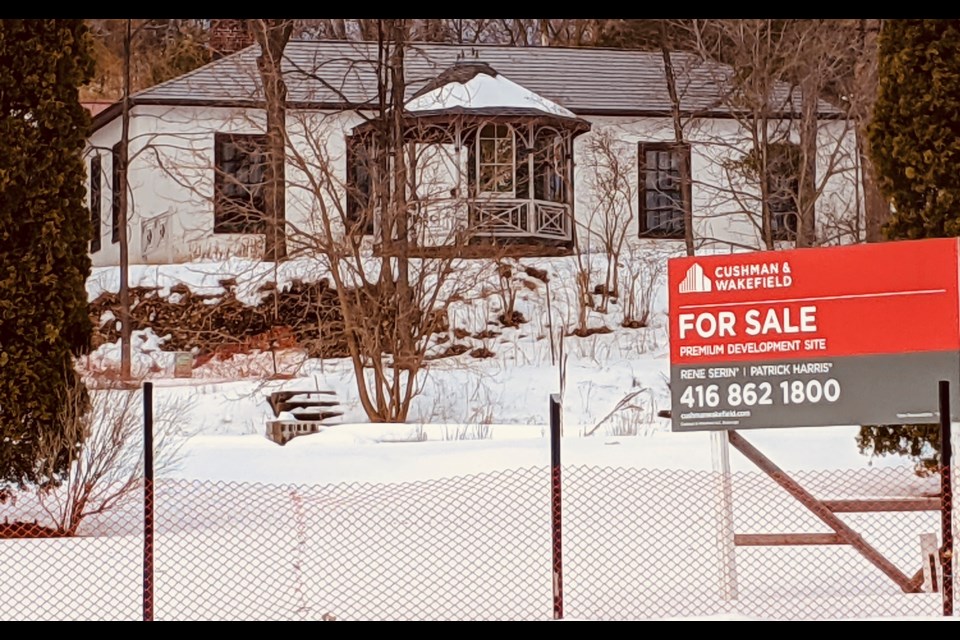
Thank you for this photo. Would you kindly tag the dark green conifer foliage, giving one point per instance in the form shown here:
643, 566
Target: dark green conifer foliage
44, 235
915, 147
915, 133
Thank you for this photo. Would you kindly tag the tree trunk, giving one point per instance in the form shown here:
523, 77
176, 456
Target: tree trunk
272, 36
685, 177
876, 210
126, 330
398, 203
807, 192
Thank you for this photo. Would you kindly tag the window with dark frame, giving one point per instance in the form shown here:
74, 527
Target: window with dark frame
359, 214
664, 197
239, 177
96, 171
783, 189
115, 194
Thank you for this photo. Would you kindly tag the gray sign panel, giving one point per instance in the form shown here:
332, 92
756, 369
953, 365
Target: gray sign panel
850, 390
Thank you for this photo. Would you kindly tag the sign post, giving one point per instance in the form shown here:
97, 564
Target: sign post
720, 456
818, 337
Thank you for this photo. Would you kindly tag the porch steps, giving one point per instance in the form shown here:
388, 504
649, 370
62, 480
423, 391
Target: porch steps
311, 410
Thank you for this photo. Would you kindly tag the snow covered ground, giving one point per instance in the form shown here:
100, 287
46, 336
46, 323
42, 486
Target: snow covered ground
472, 414
447, 516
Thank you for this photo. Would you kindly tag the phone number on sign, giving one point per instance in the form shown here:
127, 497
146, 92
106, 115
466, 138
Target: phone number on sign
751, 394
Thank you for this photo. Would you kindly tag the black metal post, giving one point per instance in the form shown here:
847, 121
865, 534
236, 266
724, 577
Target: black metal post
148, 501
555, 506
946, 500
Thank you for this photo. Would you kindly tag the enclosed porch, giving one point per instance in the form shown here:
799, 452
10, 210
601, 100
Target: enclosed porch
488, 166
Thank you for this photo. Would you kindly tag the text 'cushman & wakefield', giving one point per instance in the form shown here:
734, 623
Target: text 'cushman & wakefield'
767, 275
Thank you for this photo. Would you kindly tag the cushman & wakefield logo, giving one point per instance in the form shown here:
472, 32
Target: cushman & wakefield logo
737, 277
696, 281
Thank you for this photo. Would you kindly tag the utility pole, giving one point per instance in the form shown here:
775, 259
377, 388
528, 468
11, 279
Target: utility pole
125, 328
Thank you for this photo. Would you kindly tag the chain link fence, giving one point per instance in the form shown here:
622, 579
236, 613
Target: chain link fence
636, 544
643, 543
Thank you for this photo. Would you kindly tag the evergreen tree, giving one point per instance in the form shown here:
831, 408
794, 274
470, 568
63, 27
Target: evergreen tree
915, 133
914, 144
44, 235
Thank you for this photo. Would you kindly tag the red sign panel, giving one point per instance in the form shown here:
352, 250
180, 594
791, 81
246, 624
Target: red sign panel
865, 299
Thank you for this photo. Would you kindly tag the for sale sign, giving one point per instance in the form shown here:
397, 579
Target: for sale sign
811, 337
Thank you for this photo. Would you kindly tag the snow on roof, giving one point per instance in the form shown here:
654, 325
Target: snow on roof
485, 91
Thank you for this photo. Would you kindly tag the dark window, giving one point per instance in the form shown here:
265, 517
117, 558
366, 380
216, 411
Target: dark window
359, 214
664, 198
240, 173
96, 171
115, 194
783, 189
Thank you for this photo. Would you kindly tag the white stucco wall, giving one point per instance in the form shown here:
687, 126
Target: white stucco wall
840, 211
726, 206
171, 175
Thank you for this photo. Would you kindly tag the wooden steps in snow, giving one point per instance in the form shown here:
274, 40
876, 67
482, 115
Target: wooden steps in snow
310, 410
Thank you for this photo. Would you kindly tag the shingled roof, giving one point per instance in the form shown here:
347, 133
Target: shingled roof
340, 74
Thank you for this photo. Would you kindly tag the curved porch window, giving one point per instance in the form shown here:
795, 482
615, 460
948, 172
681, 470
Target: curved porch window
497, 159
549, 166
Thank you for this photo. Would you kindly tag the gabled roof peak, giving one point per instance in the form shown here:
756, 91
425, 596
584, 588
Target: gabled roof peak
475, 87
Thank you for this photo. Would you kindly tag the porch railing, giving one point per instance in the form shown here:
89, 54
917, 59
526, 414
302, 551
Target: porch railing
521, 218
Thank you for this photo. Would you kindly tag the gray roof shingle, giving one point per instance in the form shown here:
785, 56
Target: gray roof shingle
343, 74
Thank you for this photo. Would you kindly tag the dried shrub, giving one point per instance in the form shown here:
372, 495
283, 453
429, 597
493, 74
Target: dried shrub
589, 331
511, 319
302, 314
539, 274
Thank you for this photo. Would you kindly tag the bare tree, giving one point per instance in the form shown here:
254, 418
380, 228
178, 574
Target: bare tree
107, 471
393, 271
778, 70
162, 49
860, 94
123, 191
609, 174
140, 65
666, 46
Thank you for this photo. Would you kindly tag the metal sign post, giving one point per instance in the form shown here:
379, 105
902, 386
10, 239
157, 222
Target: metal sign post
720, 456
946, 499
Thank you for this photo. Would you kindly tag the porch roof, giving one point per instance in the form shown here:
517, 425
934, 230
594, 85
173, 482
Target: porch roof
476, 87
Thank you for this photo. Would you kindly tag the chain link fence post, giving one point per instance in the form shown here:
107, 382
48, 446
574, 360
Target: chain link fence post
946, 499
555, 506
148, 501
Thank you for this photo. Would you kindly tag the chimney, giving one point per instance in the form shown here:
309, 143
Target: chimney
229, 36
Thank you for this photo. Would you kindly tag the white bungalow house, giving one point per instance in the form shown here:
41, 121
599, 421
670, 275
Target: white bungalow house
542, 148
